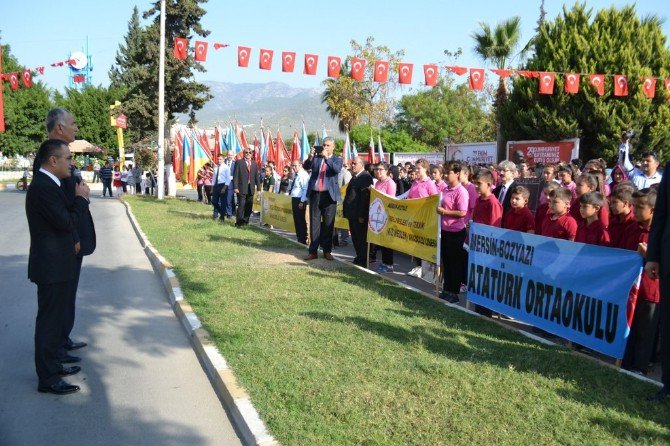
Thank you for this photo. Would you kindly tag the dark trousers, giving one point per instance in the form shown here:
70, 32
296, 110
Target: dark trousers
107, 186
452, 253
52, 310
664, 320
322, 210
359, 237
245, 203
199, 188
230, 201
68, 323
299, 220
641, 339
208, 193
219, 199
387, 255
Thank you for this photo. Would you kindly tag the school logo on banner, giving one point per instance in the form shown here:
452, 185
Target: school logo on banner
377, 217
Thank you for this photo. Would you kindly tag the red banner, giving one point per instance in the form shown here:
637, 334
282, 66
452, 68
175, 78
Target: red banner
544, 152
2, 105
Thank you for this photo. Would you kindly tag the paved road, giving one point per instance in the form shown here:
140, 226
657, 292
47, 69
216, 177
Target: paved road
141, 382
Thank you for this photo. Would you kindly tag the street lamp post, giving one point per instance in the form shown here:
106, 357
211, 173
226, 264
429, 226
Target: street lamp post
447, 143
161, 107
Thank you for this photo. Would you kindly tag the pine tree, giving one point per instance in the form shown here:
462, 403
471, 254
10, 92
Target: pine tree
615, 41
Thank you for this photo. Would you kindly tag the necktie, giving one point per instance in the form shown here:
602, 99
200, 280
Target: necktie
503, 190
249, 171
216, 175
322, 175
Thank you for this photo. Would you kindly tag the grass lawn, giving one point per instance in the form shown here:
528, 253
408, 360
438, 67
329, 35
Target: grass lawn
334, 356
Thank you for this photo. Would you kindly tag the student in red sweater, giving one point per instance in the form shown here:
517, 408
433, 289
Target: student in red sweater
543, 209
559, 223
645, 319
586, 183
591, 230
622, 217
488, 210
520, 218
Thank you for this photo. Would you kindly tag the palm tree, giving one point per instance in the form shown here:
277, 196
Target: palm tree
344, 99
498, 46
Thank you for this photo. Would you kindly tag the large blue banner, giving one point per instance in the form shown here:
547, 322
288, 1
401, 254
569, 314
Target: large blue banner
573, 290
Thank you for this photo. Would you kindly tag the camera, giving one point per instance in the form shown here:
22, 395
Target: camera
318, 150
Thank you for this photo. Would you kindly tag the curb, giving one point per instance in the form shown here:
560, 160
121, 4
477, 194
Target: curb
247, 422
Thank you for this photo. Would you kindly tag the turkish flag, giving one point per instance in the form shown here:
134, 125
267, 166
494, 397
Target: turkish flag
502, 73
14, 80
667, 87
598, 81
649, 87
458, 70
547, 82
381, 71
180, 46
572, 83
620, 85
40, 70
405, 72
265, 59
334, 64
287, 61
27, 78
218, 46
527, 74
357, 68
430, 73
200, 51
476, 80
311, 62
243, 53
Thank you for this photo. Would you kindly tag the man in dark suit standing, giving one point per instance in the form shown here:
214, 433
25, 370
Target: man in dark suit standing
246, 181
52, 263
503, 193
60, 125
658, 267
356, 208
324, 193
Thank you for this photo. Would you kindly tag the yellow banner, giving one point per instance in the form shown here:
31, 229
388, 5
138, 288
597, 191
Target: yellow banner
277, 211
256, 203
340, 221
409, 226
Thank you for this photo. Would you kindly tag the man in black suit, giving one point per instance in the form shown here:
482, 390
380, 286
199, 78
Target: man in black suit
356, 207
324, 193
503, 193
52, 263
658, 267
246, 181
60, 125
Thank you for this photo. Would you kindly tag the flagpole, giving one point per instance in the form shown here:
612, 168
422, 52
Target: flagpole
161, 108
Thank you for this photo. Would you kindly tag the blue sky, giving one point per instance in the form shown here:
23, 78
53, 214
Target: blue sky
48, 31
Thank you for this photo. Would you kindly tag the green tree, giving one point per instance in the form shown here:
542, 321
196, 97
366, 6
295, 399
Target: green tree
25, 111
344, 99
498, 46
393, 140
614, 41
445, 111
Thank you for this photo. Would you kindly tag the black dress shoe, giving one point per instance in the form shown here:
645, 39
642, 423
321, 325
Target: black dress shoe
69, 359
67, 371
661, 395
75, 345
59, 388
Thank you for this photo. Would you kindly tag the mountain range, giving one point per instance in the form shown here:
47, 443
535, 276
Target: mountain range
281, 106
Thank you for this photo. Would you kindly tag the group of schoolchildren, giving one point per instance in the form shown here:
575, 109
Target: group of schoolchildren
573, 205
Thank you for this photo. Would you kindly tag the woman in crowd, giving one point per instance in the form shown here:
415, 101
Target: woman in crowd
207, 183
124, 179
387, 186
131, 180
200, 182
268, 182
116, 178
285, 180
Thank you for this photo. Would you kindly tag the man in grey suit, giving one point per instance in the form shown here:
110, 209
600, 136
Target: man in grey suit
324, 193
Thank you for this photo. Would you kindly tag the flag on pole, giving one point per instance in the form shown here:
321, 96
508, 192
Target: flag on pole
200, 155
316, 139
177, 155
371, 150
295, 149
354, 152
304, 144
264, 145
217, 144
380, 151
186, 176
283, 157
257, 151
346, 150
324, 135
272, 150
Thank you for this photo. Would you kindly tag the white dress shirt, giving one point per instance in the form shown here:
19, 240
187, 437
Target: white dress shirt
298, 187
221, 175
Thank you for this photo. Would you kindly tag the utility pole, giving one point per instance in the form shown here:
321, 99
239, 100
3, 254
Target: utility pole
161, 108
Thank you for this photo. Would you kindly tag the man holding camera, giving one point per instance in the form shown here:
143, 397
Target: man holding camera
324, 193
648, 174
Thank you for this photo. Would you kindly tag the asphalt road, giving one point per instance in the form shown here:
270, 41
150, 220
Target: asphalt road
141, 382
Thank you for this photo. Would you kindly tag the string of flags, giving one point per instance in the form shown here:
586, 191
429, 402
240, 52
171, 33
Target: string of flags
405, 71
26, 75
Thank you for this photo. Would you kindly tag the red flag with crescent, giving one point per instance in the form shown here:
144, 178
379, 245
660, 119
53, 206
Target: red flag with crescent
27, 78
40, 70
287, 61
598, 81
620, 85
457, 70
14, 80
381, 71
357, 68
667, 87
311, 62
547, 82
334, 64
243, 53
502, 73
649, 87
430, 74
200, 51
527, 74
180, 46
476, 80
265, 59
218, 46
572, 83
405, 72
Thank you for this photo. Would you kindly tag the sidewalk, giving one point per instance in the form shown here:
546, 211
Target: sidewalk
141, 381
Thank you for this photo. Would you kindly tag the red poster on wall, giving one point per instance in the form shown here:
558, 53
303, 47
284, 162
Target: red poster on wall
542, 151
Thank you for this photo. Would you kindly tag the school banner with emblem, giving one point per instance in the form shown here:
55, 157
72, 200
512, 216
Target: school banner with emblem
256, 203
276, 211
340, 221
409, 226
576, 291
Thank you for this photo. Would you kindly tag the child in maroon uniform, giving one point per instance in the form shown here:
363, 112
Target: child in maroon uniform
559, 223
645, 318
543, 209
588, 183
488, 210
520, 218
591, 230
620, 206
